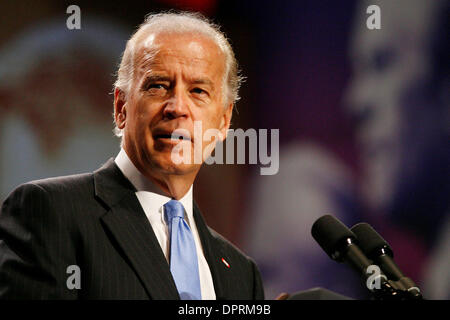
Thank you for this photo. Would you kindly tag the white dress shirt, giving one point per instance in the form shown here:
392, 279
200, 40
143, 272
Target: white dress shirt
152, 201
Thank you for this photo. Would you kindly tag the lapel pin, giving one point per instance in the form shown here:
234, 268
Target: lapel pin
225, 262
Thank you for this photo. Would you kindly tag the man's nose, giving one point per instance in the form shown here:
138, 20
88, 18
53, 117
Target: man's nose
177, 106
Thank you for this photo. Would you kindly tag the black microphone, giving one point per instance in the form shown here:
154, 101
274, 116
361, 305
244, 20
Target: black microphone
341, 245
381, 253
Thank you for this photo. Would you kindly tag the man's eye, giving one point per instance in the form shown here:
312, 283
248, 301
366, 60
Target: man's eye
383, 60
158, 89
199, 91
157, 86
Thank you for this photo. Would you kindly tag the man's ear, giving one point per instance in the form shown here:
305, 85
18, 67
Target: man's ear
120, 113
225, 122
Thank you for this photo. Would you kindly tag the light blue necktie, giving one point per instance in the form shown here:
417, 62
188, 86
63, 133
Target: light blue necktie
183, 255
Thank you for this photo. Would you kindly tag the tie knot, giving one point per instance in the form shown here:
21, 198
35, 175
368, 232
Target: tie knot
173, 209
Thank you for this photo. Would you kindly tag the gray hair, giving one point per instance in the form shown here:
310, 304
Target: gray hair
181, 22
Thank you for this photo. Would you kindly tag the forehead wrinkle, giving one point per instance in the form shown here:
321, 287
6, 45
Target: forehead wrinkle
163, 75
190, 66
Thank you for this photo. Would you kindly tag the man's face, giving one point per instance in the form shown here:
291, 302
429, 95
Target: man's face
177, 80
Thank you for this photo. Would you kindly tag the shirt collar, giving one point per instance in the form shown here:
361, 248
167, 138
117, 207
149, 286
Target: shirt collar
152, 197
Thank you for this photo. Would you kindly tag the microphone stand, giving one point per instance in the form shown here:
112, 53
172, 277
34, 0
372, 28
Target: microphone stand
397, 290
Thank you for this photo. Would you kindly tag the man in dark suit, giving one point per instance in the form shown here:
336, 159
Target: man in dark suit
131, 229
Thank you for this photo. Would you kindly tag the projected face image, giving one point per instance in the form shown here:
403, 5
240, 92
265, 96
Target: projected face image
389, 99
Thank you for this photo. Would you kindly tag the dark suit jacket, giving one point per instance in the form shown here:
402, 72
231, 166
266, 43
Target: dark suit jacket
95, 221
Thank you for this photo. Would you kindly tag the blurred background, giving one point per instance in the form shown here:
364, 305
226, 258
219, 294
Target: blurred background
363, 118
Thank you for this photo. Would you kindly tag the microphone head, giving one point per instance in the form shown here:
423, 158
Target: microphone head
332, 235
370, 242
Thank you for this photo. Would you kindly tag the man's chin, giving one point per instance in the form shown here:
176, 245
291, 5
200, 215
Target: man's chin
175, 166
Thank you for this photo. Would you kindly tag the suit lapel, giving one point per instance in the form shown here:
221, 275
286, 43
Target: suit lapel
130, 228
214, 253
